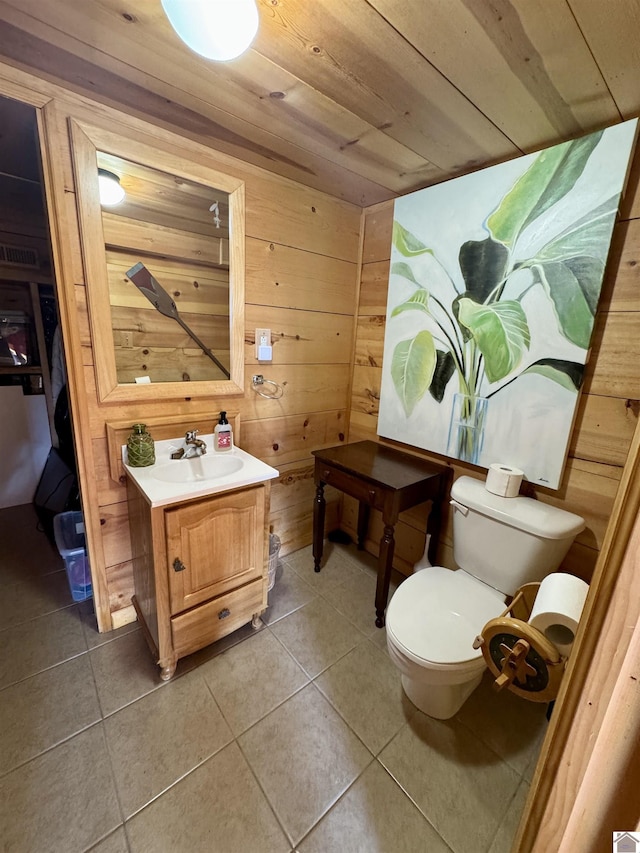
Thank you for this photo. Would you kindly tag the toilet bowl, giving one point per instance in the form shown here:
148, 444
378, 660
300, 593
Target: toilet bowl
433, 618
432, 621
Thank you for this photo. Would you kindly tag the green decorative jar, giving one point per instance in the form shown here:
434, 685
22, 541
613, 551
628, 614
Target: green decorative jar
140, 447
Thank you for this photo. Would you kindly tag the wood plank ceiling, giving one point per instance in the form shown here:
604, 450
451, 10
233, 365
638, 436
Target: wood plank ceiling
364, 99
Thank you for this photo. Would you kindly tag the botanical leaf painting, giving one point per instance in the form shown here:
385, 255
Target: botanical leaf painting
493, 290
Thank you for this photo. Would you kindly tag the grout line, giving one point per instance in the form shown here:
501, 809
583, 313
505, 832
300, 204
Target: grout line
49, 748
20, 624
318, 595
40, 671
264, 794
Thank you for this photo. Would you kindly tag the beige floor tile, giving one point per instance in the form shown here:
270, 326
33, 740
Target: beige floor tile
363, 559
335, 567
34, 646
46, 709
317, 635
26, 551
311, 754
530, 769
459, 784
374, 816
379, 638
364, 687
305, 757
355, 598
289, 593
251, 679
90, 626
114, 843
503, 839
219, 808
124, 671
62, 801
33, 597
158, 739
211, 651
511, 726
368, 563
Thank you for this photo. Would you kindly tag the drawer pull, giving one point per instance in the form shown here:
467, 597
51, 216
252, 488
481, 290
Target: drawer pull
178, 565
224, 613
326, 475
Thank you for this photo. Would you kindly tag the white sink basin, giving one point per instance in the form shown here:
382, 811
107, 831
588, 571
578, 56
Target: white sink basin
197, 469
170, 481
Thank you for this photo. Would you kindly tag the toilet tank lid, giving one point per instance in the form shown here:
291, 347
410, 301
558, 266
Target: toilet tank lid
533, 516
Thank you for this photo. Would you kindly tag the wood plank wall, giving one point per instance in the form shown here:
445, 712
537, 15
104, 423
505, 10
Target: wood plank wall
608, 408
302, 281
302, 260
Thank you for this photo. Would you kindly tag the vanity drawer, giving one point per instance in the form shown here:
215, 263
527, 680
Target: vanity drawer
216, 618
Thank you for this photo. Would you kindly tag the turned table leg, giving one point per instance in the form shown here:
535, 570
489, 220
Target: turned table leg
319, 505
385, 560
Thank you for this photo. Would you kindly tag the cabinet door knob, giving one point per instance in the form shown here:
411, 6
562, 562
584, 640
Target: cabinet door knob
224, 613
178, 565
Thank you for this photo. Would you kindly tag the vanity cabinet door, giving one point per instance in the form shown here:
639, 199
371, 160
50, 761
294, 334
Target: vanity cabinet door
214, 546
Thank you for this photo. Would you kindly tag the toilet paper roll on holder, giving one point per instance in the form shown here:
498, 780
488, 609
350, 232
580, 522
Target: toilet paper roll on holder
520, 657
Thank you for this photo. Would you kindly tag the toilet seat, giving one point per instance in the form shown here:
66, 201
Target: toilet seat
436, 614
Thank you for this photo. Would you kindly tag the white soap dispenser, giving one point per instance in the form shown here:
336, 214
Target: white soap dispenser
223, 435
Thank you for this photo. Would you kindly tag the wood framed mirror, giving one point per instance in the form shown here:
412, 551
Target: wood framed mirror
182, 222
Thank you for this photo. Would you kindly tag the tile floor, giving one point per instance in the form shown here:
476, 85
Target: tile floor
293, 737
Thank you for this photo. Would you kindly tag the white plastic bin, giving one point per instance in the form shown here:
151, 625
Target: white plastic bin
274, 552
68, 529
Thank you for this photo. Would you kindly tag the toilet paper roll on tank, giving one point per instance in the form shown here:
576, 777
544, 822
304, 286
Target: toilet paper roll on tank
557, 609
503, 480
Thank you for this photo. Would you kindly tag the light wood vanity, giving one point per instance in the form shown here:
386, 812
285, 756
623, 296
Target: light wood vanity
200, 561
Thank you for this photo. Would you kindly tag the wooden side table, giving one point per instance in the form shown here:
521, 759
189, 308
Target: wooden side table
388, 480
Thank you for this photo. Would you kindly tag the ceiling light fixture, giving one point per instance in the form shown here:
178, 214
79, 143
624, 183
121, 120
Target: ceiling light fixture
216, 29
110, 190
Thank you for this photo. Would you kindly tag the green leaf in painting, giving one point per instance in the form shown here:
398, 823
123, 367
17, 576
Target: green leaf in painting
412, 368
573, 286
455, 310
590, 235
566, 373
403, 269
483, 264
444, 370
418, 302
550, 177
501, 332
406, 243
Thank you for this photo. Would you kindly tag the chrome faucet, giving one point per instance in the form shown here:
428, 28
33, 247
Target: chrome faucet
195, 446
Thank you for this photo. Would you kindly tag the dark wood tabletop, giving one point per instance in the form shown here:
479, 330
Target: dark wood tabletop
388, 480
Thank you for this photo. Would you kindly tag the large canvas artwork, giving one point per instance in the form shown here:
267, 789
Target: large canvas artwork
493, 288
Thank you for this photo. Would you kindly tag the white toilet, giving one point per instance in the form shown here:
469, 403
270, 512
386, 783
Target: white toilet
435, 615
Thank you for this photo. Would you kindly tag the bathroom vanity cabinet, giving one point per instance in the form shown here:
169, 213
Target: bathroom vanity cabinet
200, 568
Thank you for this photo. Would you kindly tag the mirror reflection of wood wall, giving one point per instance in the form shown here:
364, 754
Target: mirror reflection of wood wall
167, 223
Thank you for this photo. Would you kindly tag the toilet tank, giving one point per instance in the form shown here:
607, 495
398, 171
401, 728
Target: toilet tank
507, 542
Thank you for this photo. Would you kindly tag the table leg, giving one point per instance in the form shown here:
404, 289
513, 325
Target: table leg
319, 505
363, 524
385, 560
